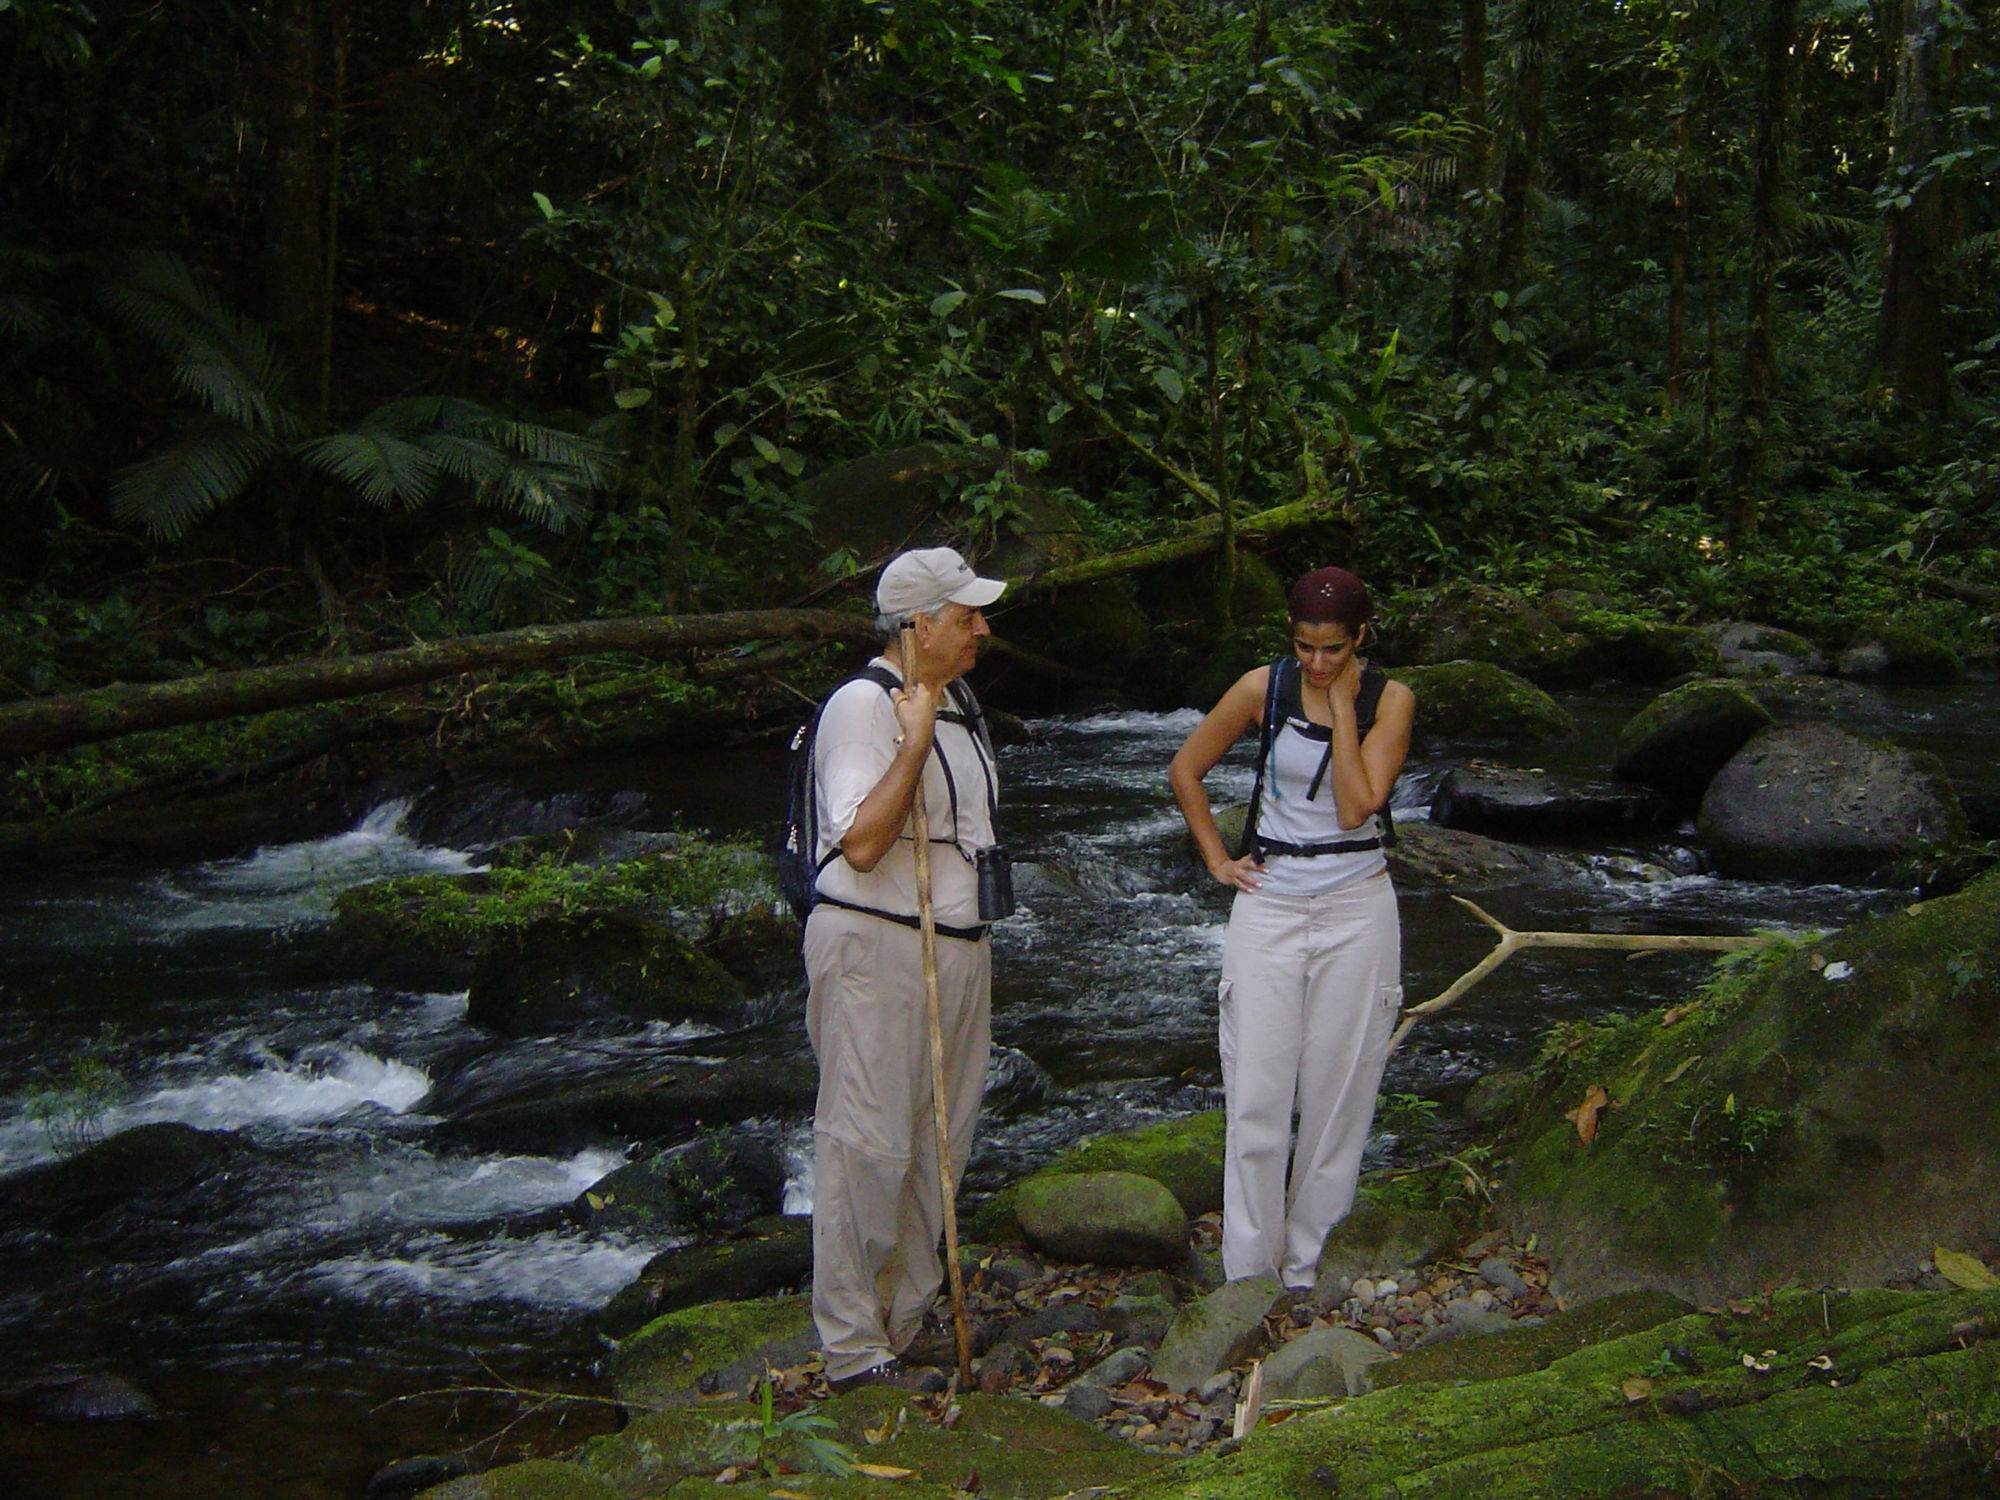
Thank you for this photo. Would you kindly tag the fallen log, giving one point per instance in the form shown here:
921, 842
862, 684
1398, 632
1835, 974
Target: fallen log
1512, 942
1204, 536
66, 719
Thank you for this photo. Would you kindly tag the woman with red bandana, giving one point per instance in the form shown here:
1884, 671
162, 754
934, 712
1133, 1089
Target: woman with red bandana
1312, 964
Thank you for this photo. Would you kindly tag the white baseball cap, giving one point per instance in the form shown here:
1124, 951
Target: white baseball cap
927, 579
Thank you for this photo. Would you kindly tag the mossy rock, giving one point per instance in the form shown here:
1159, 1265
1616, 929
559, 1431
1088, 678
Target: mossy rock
1530, 1345
1020, 1450
1105, 1218
1663, 1413
1901, 651
765, 1257
717, 1347
1822, 1113
1184, 1155
534, 1479
1751, 650
1099, 628
1682, 738
1475, 700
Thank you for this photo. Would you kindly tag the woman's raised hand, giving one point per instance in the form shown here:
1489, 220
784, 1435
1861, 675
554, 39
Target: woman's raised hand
1238, 874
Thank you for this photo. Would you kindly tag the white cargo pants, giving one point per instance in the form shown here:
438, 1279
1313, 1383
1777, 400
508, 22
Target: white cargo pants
878, 1208
1311, 986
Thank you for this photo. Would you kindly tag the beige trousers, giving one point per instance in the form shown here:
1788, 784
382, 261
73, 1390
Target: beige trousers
878, 1207
1311, 987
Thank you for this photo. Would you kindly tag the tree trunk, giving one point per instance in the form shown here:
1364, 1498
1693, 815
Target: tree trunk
68, 719
1469, 183
1910, 356
1507, 253
1749, 470
295, 213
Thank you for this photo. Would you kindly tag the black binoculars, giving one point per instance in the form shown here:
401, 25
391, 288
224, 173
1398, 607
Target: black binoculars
996, 883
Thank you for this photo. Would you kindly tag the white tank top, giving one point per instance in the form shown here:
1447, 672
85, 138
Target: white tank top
1286, 816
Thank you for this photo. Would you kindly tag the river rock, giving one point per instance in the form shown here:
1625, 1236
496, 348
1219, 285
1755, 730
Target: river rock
1109, 1218
411, 1476
1814, 802
531, 1479
1427, 855
1222, 1329
1506, 802
565, 972
1824, 1117
160, 1171
666, 1102
697, 1190
1468, 622
1184, 1155
1378, 1237
1682, 738
1475, 700
1898, 652
481, 814
93, 1398
1321, 1363
1749, 650
760, 1259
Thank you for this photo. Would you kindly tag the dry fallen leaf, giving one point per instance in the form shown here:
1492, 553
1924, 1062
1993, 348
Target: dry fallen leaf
1677, 1014
1584, 1116
1816, 962
1637, 1389
1688, 1063
1962, 1270
883, 1471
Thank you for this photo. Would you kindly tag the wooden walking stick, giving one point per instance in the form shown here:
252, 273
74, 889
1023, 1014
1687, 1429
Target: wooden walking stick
920, 838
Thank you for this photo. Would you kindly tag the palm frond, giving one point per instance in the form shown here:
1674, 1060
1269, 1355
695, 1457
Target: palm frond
209, 465
588, 462
544, 493
223, 360
381, 466
468, 459
27, 319
409, 414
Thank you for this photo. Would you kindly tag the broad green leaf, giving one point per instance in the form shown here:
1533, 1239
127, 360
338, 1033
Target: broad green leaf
1023, 294
726, 434
1170, 383
632, 397
549, 210
946, 303
766, 449
1963, 1270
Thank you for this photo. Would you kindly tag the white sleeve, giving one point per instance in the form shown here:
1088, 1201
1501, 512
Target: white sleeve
852, 751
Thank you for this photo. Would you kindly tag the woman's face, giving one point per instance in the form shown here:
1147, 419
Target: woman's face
1324, 649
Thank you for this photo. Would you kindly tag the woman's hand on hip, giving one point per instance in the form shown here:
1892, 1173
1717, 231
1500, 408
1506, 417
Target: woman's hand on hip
1238, 874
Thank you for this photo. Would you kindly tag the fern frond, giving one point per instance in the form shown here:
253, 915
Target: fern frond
223, 360
382, 467
208, 465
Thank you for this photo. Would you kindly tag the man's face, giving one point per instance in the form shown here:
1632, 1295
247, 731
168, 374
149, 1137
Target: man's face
952, 642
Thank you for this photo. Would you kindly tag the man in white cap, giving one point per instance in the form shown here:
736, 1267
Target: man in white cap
878, 1205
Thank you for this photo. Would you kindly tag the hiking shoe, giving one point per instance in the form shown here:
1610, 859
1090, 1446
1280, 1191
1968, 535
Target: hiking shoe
919, 1380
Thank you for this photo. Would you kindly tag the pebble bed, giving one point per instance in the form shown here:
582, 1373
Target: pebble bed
1069, 1333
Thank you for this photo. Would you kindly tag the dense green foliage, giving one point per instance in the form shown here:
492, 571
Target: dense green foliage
491, 313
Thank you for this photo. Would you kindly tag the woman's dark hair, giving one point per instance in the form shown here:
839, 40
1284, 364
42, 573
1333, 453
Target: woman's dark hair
1331, 596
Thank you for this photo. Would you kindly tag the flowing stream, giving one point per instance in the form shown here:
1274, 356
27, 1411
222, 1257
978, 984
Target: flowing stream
338, 1298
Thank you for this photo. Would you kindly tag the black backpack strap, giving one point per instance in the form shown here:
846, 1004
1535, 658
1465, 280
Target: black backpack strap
1275, 687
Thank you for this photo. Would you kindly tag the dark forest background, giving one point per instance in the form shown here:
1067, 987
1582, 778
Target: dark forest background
334, 324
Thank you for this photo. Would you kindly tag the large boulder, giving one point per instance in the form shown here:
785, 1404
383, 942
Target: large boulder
1815, 802
164, 1172
1427, 855
1508, 802
1184, 1155
762, 1259
1682, 738
1821, 1115
1482, 622
1899, 651
1475, 700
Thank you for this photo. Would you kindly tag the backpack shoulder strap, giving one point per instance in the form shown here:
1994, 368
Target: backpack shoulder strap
1275, 688
1373, 680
